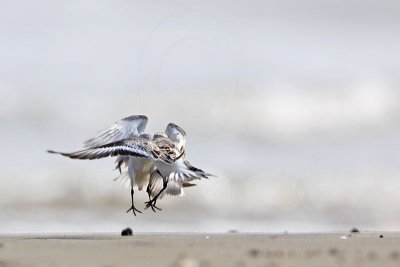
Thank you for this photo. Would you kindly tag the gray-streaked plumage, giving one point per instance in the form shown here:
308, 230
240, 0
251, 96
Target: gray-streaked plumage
166, 157
139, 169
132, 126
161, 149
176, 180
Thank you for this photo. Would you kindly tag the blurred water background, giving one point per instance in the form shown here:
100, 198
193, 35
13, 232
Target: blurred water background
293, 104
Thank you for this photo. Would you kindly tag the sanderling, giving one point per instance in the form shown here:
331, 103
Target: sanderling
132, 126
165, 152
176, 180
155, 182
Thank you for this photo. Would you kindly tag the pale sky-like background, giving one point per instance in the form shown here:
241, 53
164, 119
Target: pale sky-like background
293, 104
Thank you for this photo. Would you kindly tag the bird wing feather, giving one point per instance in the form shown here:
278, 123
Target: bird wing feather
128, 127
135, 147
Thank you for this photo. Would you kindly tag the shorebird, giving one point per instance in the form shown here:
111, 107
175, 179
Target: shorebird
132, 126
143, 171
173, 183
154, 181
163, 155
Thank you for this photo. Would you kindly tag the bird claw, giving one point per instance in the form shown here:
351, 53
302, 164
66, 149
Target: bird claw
151, 204
133, 209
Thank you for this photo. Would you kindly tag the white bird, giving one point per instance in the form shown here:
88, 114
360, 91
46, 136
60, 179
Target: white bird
163, 155
176, 180
139, 168
143, 170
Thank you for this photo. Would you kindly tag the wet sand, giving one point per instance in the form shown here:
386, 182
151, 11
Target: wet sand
234, 249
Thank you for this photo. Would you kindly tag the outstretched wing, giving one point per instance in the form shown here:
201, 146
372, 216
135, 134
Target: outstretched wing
135, 147
128, 127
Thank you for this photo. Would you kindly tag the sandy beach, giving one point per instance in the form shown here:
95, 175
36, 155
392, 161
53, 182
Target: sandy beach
233, 249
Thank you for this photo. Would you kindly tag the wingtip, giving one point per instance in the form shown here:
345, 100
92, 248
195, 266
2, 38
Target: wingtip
52, 151
187, 184
135, 117
211, 175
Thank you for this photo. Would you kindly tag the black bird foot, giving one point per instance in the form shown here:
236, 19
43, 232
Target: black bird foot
133, 209
151, 204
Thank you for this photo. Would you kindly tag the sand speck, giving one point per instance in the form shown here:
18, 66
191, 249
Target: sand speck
254, 253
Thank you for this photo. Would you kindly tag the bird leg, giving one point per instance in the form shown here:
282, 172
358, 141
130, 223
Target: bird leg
133, 205
153, 207
152, 202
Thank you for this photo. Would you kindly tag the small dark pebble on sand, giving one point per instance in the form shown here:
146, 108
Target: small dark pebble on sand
126, 232
254, 253
381, 236
354, 230
333, 251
